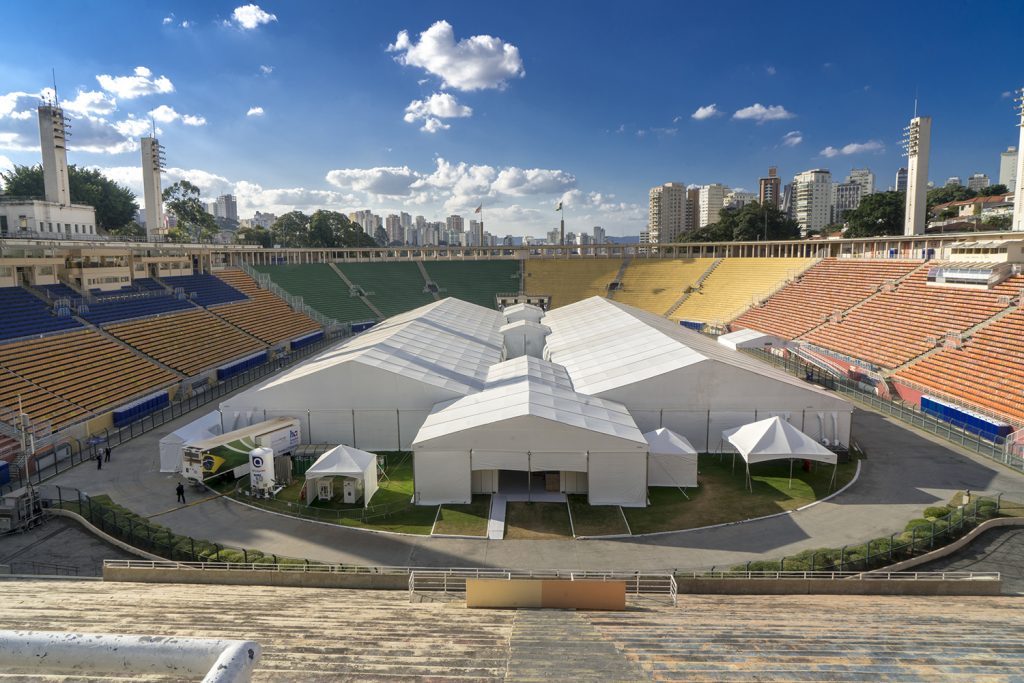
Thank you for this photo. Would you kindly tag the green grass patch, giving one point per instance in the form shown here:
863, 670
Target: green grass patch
722, 496
465, 520
537, 521
596, 520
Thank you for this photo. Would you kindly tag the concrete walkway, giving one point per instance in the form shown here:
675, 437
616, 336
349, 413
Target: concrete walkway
905, 472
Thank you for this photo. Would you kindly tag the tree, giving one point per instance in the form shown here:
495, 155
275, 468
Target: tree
132, 229
879, 214
115, 204
949, 193
290, 230
380, 237
256, 235
997, 222
194, 222
993, 190
750, 223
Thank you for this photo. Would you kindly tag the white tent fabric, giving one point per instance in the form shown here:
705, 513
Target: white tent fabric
529, 312
776, 439
749, 339
671, 460
344, 461
170, 446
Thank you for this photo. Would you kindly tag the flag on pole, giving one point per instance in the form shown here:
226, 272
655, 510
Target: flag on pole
479, 209
559, 207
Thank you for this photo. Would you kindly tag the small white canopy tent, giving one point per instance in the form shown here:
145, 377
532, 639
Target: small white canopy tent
344, 461
671, 460
170, 446
776, 439
750, 339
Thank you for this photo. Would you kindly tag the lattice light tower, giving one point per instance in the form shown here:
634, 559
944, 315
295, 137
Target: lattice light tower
152, 166
1018, 192
917, 141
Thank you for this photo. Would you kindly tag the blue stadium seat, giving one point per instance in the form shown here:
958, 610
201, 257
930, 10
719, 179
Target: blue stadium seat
26, 315
206, 290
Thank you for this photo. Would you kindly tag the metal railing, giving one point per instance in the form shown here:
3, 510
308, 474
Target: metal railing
454, 580
296, 302
845, 576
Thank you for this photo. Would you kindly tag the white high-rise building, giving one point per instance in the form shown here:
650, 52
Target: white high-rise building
599, 235
901, 180
712, 199
225, 207
454, 223
812, 199
845, 197
863, 177
665, 213
954, 181
917, 143
978, 181
1008, 168
152, 167
737, 199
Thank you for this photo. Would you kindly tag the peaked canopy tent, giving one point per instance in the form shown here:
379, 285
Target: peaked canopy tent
671, 460
170, 446
344, 461
776, 439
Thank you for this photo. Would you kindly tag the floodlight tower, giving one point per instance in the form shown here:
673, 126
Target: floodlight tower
1018, 191
917, 147
53, 136
152, 166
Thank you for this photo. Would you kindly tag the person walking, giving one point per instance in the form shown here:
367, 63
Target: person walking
106, 454
99, 461
181, 492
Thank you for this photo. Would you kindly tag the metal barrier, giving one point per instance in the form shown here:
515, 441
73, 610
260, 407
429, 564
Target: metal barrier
847, 576
454, 580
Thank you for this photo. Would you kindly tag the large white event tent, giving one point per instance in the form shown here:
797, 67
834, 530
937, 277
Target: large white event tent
344, 461
672, 461
170, 446
776, 439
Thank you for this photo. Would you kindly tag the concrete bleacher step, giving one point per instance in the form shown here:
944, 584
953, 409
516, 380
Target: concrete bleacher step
696, 286
134, 350
427, 280
364, 299
619, 275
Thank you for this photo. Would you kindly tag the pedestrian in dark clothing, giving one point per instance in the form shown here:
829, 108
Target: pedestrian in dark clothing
99, 461
106, 454
181, 492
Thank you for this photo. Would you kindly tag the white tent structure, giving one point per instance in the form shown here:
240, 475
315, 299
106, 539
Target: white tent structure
374, 390
750, 339
776, 439
516, 312
670, 376
530, 420
344, 461
671, 460
170, 446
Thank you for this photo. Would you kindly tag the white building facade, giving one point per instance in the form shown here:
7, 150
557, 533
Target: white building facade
812, 199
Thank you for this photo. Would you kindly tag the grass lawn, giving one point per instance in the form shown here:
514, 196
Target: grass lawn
537, 521
721, 496
465, 520
596, 520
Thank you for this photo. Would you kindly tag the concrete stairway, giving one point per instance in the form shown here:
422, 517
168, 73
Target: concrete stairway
365, 299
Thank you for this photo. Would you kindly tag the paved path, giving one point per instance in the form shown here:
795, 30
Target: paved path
996, 550
905, 472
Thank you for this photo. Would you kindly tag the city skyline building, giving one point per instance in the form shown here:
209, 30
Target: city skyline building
863, 177
978, 181
901, 179
770, 188
665, 213
1008, 168
812, 199
712, 198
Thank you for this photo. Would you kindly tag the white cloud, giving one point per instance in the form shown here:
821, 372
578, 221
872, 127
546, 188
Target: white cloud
266, 70
190, 120
474, 63
254, 111
167, 114
518, 182
249, 17
90, 102
168, 20
133, 127
760, 113
853, 148
660, 132
5, 163
1007, 94
440, 105
792, 138
186, 24
706, 112
770, 70
386, 181
137, 85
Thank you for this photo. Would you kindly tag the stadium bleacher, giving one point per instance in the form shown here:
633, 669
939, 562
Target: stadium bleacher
827, 288
656, 284
263, 315
17, 394
205, 289
735, 285
113, 307
189, 342
478, 282
321, 288
24, 315
568, 281
393, 286
59, 291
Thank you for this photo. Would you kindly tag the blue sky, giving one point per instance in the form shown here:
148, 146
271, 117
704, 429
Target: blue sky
517, 105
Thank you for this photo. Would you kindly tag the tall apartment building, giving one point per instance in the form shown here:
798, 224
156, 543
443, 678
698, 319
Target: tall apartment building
978, 181
812, 199
455, 224
901, 180
845, 197
599, 235
264, 220
954, 181
225, 207
736, 199
917, 143
863, 177
665, 213
1008, 168
712, 198
393, 227
691, 212
769, 191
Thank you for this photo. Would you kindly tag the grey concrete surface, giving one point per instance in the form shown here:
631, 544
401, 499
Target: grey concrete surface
57, 542
997, 550
905, 471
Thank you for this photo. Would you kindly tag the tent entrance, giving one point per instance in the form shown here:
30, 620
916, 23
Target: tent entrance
550, 481
513, 481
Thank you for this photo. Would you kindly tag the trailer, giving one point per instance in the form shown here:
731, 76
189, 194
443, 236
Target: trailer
218, 455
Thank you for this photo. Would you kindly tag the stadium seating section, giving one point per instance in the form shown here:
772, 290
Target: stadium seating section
125, 306
204, 289
656, 284
189, 342
65, 376
59, 291
828, 288
899, 325
737, 284
393, 287
320, 288
478, 282
987, 371
24, 314
570, 281
263, 315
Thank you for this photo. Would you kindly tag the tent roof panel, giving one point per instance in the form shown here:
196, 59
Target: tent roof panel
775, 439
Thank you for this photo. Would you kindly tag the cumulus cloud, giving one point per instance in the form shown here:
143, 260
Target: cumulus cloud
137, 85
385, 181
167, 114
254, 111
19, 131
853, 148
706, 112
5, 163
792, 138
168, 20
440, 105
474, 63
249, 17
266, 70
133, 127
518, 182
770, 70
760, 113
90, 102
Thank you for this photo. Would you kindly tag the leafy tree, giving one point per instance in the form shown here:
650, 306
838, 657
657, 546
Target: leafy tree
132, 229
290, 230
993, 190
995, 222
750, 223
256, 235
380, 236
879, 214
949, 193
115, 204
194, 222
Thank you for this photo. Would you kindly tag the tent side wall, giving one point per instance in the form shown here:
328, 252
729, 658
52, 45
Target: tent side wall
671, 470
618, 479
442, 477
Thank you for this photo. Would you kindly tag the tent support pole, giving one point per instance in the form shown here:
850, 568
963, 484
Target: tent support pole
750, 484
832, 482
791, 473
